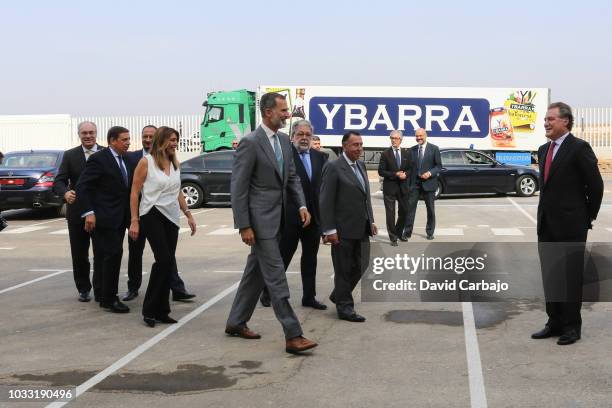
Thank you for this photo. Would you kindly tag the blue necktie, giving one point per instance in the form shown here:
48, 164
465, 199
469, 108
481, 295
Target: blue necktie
398, 160
307, 166
123, 171
420, 159
279, 155
359, 176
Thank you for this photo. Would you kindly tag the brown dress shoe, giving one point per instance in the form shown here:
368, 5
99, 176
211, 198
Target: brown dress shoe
298, 344
243, 332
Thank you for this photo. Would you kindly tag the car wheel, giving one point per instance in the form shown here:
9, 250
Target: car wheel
194, 195
526, 185
439, 190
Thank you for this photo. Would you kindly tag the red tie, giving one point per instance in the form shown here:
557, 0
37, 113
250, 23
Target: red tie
548, 162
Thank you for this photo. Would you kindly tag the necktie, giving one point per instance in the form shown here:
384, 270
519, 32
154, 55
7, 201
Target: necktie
548, 162
358, 175
88, 153
307, 166
279, 155
420, 159
123, 171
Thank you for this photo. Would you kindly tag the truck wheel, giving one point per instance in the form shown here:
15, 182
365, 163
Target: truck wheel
526, 185
194, 195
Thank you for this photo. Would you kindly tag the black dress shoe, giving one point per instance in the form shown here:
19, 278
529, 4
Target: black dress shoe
393, 243
353, 317
165, 319
265, 301
315, 304
115, 307
182, 296
130, 295
430, 237
569, 337
84, 296
404, 238
332, 299
545, 333
149, 321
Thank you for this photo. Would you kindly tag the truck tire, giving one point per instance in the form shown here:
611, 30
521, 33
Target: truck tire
526, 185
194, 195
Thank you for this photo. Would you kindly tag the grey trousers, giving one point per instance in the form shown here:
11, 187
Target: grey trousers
264, 268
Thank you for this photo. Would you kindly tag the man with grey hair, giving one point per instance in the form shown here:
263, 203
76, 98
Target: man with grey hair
395, 168
73, 164
309, 167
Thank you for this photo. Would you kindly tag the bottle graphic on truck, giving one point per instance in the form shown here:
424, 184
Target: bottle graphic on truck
452, 117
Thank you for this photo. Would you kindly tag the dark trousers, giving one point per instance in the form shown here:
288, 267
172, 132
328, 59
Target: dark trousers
79, 250
110, 246
310, 238
162, 235
395, 229
136, 249
413, 200
350, 258
562, 266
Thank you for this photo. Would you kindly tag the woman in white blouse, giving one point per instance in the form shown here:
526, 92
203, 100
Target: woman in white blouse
157, 182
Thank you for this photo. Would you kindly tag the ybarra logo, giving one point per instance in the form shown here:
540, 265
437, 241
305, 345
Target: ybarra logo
441, 117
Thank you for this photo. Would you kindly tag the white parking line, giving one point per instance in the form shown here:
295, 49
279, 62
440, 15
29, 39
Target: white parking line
521, 209
200, 212
58, 272
449, 231
7, 248
47, 222
223, 231
23, 230
183, 230
123, 361
478, 396
60, 232
507, 231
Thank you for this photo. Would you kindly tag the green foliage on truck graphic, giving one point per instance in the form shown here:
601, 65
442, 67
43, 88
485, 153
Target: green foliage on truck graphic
228, 116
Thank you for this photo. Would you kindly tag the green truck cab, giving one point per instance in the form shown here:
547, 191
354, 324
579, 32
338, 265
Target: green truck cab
228, 116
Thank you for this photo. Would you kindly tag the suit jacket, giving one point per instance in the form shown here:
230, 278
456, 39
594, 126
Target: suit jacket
258, 191
133, 158
310, 187
387, 167
432, 162
101, 189
344, 205
571, 197
73, 164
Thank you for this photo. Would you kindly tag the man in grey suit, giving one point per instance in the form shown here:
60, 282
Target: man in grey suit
426, 166
347, 222
262, 176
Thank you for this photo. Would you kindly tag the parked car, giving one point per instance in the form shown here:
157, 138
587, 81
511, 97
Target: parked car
471, 171
26, 180
206, 178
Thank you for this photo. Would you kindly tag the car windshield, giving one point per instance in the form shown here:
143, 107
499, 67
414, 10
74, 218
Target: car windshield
29, 160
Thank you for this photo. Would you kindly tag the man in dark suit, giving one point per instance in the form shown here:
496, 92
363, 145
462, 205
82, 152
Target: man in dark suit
347, 222
104, 200
395, 167
309, 167
570, 197
426, 165
73, 164
262, 177
136, 248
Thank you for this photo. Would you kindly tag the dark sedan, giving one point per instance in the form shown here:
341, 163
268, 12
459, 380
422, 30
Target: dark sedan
206, 178
26, 180
470, 171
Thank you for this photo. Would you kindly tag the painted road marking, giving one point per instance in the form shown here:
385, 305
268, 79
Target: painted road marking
507, 231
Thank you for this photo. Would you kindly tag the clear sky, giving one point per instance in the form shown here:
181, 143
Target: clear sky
157, 57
